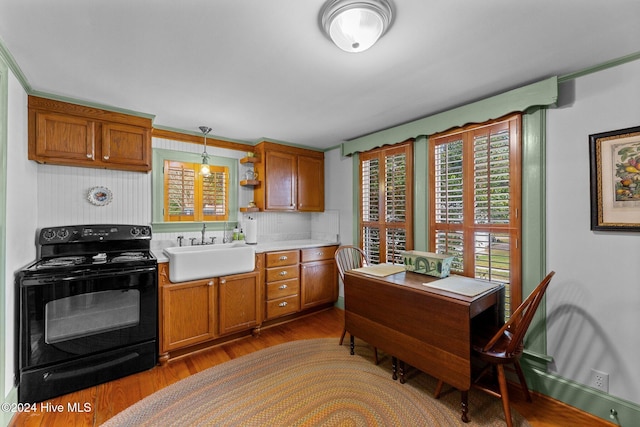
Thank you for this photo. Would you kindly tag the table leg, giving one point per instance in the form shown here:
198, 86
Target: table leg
402, 372
465, 405
352, 341
394, 368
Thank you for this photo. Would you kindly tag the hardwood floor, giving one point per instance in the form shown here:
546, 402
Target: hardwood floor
106, 400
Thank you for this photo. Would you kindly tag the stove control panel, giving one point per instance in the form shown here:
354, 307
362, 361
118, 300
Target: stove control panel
93, 233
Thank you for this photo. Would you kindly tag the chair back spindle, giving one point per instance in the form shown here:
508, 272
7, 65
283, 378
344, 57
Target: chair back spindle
349, 257
521, 318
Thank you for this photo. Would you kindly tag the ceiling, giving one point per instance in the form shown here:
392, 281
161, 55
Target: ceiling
254, 69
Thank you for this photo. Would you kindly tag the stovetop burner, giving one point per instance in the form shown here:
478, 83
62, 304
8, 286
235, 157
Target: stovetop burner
129, 256
61, 262
100, 259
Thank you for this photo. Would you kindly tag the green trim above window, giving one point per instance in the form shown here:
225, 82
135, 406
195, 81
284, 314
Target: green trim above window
157, 185
542, 93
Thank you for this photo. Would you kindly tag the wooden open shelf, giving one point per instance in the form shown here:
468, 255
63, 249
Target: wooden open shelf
249, 160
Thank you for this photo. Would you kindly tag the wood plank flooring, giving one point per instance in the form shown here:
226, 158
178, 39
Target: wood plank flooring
106, 400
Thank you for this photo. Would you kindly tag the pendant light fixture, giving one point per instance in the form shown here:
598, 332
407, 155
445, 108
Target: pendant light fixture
204, 168
355, 25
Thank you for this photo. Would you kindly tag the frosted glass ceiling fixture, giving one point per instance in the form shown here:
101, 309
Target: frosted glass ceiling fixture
355, 25
204, 168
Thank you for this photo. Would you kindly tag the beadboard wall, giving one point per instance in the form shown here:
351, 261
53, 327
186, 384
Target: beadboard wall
62, 200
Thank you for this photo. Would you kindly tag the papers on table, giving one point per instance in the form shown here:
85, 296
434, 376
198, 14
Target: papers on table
462, 285
380, 270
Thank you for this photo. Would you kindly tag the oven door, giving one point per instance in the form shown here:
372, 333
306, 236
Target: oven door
65, 317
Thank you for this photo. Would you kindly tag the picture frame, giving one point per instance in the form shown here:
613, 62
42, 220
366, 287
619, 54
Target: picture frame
615, 180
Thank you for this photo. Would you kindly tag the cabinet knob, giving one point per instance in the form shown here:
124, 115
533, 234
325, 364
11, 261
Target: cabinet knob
89, 156
106, 157
320, 253
283, 286
283, 273
283, 304
210, 283
284, 258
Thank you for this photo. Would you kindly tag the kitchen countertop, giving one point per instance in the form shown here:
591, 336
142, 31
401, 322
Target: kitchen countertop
279, 245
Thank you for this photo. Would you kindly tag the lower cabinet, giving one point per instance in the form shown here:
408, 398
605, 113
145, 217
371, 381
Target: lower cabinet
240, 302
282, 283
318, 276
199, 313
187, 312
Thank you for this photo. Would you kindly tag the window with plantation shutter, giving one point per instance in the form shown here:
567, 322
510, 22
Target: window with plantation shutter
190, 196
386, 223
475, 198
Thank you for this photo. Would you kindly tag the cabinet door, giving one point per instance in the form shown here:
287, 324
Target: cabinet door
126, 145
310, 184
280, 181
319, 283
188, 313
240, 302
64, 137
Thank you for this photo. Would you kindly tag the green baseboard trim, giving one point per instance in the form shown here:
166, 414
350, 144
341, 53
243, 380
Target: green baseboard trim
590, 400
339, 303
536, 360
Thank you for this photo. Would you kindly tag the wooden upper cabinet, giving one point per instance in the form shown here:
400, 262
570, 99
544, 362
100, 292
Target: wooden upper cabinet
280, 181
60, 136
310, 184
292, 178
124, 144
73, 135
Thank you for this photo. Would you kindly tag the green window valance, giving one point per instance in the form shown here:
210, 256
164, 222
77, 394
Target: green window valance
542, 93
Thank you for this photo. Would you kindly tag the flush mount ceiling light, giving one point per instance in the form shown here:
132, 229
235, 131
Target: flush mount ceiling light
355, 25
204, 168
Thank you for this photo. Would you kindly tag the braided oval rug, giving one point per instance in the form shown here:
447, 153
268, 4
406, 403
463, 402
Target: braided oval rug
309, 383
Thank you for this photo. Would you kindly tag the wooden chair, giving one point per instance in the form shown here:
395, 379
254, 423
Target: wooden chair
347, 258
506, 347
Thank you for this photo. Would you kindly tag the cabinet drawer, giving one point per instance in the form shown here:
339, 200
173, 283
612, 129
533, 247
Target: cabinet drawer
276, 259
283, 306
318, 254
283, 288
282, 273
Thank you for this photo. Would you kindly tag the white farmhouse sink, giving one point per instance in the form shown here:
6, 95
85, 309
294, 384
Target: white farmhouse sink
202, 262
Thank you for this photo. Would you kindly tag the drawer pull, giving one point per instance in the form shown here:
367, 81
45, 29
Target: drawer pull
283, 273
283, 287
283, 304
284, 258
319, 253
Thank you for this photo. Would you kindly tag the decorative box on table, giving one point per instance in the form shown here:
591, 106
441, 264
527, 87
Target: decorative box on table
433, 264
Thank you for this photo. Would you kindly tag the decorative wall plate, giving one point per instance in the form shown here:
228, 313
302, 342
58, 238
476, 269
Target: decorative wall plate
100, 196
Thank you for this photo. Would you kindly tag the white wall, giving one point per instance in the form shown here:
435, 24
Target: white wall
593, 303
338, 189
22, 196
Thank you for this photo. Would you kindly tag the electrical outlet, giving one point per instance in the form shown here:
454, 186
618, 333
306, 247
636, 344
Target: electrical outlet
600, 380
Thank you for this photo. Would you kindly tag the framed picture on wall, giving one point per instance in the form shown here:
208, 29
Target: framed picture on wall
615, 180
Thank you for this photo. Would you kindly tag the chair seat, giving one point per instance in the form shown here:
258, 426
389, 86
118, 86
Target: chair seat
497, 354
